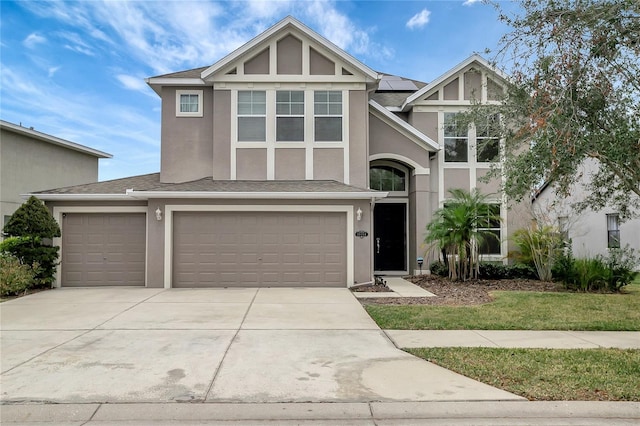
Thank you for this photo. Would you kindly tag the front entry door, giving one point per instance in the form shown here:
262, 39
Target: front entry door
390, 237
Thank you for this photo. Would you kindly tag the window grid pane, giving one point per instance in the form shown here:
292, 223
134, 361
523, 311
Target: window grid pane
327, 109
290, 116
456, 140
613, 231
251, 115
490, 226
189, 103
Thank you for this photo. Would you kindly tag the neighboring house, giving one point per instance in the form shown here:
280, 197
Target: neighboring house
591, 232
286, 163
33, 161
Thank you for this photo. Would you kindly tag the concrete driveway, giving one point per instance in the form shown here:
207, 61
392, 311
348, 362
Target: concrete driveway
214, 345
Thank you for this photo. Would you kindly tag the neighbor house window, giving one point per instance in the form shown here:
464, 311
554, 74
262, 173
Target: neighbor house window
387, 178
252, 111
188, 103
456, 139
327, 110
488, 139
563, 227
489, 226
289, 116
613, 231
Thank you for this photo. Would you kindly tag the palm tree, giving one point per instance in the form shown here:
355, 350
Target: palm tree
454, 231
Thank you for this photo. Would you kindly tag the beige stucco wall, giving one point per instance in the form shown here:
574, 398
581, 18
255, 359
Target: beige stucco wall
251, 164
259, 64
28, 165
328, 164
290, 164
456, 178
450, 91
426, 122
491, 187
222, 134
319, 64
472, 85
384, 139
358, 139
289, 56
186, 142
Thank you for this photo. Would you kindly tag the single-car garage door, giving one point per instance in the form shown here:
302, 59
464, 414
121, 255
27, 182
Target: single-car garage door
269, 249
103, 249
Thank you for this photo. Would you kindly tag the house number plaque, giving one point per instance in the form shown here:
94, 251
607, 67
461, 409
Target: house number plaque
362, 234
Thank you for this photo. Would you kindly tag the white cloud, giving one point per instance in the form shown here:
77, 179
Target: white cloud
471, 2
76, 43
33, 39
52, 70
419, 20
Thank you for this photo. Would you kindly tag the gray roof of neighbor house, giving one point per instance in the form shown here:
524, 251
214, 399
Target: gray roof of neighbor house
34, 134
148, 185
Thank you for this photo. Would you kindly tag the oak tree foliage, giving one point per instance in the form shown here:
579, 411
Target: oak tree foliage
573, 96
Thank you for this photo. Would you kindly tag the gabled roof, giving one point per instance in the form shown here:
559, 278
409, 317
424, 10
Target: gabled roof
453, 71
290, 22
149, 186
405, 128
34, 134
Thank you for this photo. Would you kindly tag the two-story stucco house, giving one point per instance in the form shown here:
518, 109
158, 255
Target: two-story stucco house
33, 161
287, 163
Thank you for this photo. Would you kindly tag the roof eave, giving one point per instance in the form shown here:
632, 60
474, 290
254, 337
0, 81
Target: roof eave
144, 195
53, 140
77, 197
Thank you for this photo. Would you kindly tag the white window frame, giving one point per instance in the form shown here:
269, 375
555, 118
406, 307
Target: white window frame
328, 103
479, 139
239, 116
613, 229
466, 137
395, 166
179, 94
496, 228
290, 115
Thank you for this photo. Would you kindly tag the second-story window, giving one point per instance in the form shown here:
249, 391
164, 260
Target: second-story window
488, 139
289, 116
252, 116
188, 103
456, 139
327, 110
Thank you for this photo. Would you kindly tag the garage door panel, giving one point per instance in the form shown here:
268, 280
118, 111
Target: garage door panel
103, 249
264, 249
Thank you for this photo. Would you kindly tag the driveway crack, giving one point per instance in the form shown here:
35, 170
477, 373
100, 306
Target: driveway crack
233, 339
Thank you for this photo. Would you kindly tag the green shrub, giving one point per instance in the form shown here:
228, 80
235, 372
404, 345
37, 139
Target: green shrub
539, 247
601, 273
33, 227
439, 268
498, 271
15, 277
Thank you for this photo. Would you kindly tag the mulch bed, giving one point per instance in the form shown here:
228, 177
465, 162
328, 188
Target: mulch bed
475, 292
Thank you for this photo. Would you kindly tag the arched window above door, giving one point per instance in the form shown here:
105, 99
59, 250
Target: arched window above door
383, 177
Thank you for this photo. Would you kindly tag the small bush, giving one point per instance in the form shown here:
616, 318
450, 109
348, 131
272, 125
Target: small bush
15, 277
439, 268
601, 273
498, 271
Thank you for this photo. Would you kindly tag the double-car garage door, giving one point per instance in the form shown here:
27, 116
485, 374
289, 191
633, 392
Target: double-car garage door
209, 249
259, 249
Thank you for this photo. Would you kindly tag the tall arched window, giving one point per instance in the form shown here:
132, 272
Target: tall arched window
387, 178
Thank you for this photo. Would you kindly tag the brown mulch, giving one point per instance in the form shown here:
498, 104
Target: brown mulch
475, 292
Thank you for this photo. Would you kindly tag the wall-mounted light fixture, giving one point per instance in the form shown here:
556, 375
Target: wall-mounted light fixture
359, 214
158, 214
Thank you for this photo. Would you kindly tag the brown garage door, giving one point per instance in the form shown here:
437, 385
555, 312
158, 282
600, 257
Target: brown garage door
103, 249
269, 249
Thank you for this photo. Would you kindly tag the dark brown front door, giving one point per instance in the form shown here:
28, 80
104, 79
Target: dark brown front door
390, 237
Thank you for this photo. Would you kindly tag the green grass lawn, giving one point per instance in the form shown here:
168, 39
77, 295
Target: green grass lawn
521, 310
547, 374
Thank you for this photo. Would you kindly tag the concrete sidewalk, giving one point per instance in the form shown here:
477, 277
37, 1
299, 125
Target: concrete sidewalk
372, 413
515, 339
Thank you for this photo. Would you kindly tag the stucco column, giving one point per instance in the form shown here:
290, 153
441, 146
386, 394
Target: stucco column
420, 198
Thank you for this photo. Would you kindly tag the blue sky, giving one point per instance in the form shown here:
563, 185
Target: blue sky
76, 69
